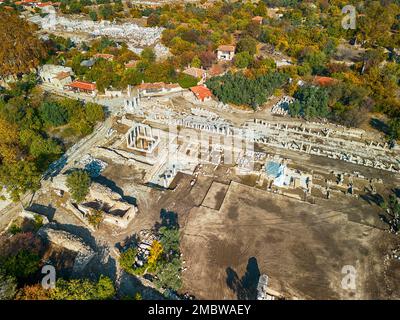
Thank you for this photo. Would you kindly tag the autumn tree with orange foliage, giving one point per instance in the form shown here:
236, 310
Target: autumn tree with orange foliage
20, 49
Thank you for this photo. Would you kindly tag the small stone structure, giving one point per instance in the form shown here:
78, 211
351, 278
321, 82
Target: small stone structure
141, 138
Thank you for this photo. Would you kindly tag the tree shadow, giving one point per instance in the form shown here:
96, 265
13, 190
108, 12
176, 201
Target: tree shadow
55, 167
169, 219
379, 125
373, 198
246, 287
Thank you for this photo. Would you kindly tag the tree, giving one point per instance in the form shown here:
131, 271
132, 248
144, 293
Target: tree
8, 141
53, 113
20, 49
106, 12
243, 59
19, 177
105, 288
247, 43
169, 274
127, 260
95, 218
394, 129
196, 62
169, 238
83, 289
78, 183
22, 264
155, 253
93, 15
148, 55
8, 287
312, 102
33, 292
94, 112
187, 81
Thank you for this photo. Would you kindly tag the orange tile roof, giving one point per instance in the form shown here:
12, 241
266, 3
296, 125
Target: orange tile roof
324, 81
258, 19
201, 92
228, 48
104, 56
131, 64
82, 85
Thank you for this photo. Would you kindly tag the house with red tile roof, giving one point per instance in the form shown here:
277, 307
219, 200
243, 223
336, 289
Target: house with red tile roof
201, 93
82, 86
55, 75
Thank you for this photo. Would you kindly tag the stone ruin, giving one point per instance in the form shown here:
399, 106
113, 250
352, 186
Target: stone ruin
282, 106
70, 242
116, 210
141, 138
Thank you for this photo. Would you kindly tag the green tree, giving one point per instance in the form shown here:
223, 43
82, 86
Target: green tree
94, 112
148, 55
22, 264
93, 15
83, 289
8, 287
78, 183
247, 43
19, 177
169, 274
127, 260
53, 113
187, 81
243, 59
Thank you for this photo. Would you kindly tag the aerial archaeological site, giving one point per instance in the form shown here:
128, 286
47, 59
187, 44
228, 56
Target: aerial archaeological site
199, 150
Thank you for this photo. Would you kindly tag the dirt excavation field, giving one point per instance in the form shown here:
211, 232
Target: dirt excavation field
300, 246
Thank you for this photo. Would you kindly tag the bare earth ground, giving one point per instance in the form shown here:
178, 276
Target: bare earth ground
302, 248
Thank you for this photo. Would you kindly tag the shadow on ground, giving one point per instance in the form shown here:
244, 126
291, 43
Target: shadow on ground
246, 287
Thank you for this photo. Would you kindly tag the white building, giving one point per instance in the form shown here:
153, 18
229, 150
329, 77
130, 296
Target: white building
54, 75
226, 52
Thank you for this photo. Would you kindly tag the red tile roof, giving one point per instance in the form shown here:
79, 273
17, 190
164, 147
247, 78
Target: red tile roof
131, 64
227, 48
104, 56
82, 85
324, 81
258, 19
201, 92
